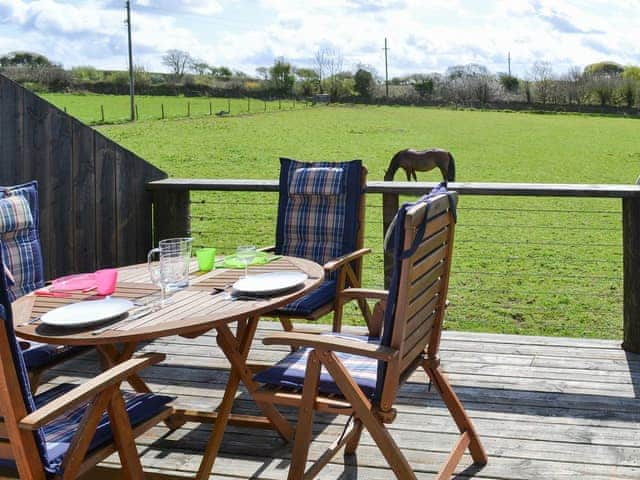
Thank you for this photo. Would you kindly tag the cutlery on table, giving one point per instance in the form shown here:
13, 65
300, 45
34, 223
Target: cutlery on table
142, 312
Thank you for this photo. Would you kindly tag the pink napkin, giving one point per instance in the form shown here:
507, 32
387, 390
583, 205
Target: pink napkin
102, 281
106, 280
80, 281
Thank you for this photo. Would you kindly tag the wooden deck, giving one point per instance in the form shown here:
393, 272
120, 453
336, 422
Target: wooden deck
545, 408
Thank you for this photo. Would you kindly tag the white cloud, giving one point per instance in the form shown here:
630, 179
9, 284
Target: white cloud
424, 35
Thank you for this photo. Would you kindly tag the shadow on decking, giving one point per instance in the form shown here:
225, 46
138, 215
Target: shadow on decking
633, 360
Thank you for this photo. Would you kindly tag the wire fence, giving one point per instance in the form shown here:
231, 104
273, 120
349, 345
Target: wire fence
541, 266
93, 110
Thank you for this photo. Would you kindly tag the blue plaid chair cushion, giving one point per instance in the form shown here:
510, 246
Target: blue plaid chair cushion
314, 223
291, 370
317, 181
306, 305
317, 209
59, 433
37, 355
19, 238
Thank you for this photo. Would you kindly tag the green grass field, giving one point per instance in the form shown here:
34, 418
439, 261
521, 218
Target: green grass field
522, 265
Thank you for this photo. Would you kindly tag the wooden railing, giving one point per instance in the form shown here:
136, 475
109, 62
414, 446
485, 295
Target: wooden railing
172, 218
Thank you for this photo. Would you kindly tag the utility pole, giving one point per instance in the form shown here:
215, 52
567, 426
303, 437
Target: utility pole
131, 85
386, 68
509, 62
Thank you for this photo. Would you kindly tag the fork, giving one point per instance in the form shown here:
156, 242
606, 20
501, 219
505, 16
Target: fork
30, 322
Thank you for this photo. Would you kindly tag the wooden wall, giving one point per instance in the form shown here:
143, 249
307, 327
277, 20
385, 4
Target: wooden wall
95, 211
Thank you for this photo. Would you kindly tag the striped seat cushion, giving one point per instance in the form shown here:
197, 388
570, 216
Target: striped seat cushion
291, 370
308, 304
59, 433
19, 238
38, 355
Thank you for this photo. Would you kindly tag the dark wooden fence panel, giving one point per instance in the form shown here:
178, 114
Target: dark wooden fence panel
95, 211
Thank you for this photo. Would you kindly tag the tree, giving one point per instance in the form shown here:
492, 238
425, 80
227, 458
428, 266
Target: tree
263, 72
424, 87
328, 63
200, 67
364, 83
281, 76
221, 73
24, 59
177, 61
509, 82
542, 75
604, 68
471, 82
631, 72
308, 80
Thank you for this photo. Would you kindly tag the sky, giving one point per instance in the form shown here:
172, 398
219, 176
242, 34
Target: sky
423, 35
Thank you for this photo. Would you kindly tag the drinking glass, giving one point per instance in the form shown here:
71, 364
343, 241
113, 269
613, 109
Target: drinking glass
245, 254
172, 272
161, 281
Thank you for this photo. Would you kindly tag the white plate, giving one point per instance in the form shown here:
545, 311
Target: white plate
269, 283
86, 313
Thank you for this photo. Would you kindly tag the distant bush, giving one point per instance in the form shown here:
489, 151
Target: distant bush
509, 82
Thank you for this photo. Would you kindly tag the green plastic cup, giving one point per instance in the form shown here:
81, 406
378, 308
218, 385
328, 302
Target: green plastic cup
206, 259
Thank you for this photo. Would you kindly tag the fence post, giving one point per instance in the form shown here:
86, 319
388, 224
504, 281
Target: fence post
188, 109
102, 112
229, 106
210, 108
162, 110
390, 205
137, 116
171, 214
631, 262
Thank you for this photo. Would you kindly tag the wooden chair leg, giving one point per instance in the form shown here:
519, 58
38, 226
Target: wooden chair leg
458, 413
362, 409
302, 438
352, 444
287, 325
124, 438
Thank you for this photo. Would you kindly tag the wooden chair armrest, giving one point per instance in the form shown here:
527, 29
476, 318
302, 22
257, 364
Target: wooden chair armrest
331, 344
349, 257
88, 390
364, 293
270, 248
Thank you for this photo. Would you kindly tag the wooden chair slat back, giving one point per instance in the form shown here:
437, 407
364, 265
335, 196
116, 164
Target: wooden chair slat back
21, 443
423, 280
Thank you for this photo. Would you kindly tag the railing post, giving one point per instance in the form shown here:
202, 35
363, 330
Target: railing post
390, 205
171, 214
631, 253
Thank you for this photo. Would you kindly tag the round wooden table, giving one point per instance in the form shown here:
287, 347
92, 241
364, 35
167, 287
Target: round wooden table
202, 306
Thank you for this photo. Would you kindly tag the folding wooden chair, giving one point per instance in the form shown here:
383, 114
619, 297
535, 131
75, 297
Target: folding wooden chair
21, 252
361, 376
65, 431
321, 217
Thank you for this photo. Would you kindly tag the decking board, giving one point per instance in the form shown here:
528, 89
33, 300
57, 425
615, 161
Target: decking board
544, 407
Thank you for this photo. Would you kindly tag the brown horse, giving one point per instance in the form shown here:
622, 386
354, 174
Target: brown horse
422, 160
